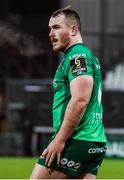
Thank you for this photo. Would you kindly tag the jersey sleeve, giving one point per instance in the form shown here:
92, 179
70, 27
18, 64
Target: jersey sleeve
79, 66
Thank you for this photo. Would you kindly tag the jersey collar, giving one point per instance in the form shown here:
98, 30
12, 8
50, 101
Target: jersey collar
70, 47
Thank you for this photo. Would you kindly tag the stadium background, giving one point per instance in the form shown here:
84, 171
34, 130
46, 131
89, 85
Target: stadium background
28, 64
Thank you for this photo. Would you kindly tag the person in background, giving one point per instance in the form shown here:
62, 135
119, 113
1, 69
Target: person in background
78, 146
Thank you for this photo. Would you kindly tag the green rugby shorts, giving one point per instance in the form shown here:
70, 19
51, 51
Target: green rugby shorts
79, 157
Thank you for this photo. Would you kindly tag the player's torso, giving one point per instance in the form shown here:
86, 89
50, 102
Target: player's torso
75, 63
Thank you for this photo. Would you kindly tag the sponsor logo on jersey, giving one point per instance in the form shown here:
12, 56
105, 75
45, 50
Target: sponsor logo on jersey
64, 161
70, 163
96, 150
78, 55
97, 116
78, 65
77, 165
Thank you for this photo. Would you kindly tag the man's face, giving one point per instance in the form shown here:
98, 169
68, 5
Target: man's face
59, 33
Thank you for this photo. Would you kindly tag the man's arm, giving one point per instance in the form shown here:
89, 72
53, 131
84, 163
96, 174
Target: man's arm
81, 90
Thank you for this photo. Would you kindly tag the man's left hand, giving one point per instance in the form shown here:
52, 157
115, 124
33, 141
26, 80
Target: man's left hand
53, 150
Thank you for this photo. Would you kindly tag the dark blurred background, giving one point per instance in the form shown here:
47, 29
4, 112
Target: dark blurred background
28, 64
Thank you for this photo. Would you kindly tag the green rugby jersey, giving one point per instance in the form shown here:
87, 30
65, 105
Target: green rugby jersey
79, 60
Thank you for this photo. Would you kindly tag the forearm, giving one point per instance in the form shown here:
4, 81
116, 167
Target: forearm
72, 117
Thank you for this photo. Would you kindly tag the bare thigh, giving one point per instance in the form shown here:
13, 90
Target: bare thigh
88, 176
41, 172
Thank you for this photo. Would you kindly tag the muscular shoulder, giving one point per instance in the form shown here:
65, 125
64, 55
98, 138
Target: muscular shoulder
77, 51
78, 61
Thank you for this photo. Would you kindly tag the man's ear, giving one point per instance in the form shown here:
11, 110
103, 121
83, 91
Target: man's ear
74, 30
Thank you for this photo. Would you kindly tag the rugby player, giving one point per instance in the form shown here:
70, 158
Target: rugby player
78, 146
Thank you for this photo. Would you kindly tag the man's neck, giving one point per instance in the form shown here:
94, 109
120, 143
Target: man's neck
74, 41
